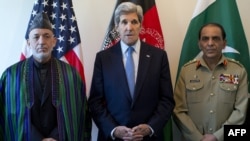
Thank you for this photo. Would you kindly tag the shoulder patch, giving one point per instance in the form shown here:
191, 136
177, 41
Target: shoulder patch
235, 61
191, 62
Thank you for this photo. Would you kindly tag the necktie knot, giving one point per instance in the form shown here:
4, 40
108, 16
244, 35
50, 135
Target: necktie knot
130, 50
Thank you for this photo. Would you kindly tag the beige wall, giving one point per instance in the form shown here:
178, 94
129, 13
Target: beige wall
93, 18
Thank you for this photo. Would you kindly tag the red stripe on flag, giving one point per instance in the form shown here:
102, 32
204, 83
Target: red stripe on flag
74, 61
151, 31
151, 19
22, 57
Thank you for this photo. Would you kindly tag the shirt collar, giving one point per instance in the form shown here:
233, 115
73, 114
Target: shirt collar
136, 46
201, 62
42, 65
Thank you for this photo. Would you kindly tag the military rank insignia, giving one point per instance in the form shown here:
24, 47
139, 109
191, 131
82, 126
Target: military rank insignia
229, 78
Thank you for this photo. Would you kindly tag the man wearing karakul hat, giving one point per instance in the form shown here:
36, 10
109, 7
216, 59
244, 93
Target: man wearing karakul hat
42, 98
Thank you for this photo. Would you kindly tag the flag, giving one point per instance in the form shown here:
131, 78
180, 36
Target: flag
151, 33
62, 17
224, 12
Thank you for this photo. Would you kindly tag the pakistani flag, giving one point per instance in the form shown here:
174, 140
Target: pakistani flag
224, 12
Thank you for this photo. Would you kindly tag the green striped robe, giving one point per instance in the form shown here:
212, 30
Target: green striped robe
17, 98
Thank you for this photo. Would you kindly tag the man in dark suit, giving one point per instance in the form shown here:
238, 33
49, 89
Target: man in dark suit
131, 113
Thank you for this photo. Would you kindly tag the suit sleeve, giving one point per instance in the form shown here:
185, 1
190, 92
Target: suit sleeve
96, 101
164, 109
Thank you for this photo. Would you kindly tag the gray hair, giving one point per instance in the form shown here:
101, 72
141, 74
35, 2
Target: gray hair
126, 8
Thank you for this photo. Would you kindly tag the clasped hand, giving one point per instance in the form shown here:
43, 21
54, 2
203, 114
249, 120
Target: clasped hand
132, 134
48, 139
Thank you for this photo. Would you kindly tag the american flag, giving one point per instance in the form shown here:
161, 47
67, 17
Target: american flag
64, 23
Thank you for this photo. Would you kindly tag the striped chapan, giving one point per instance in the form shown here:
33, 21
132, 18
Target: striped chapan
17, 98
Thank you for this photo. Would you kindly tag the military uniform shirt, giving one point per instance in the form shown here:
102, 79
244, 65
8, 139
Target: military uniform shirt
207, 99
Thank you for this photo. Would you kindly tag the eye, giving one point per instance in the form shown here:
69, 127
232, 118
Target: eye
216, 38
135, 22
47, 36
124, 22
204, 39
35, 37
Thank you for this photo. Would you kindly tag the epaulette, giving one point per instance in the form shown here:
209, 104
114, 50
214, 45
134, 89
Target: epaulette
235, 61
191, 62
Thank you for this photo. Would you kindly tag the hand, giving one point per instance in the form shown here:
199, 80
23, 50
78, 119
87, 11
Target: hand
209, 137
135, 134
123, 132
142, 129
138, 132
48, 139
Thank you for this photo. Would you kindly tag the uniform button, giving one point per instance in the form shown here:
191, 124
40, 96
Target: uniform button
194, 88
213, 77
210, 129
211, 94
211, 111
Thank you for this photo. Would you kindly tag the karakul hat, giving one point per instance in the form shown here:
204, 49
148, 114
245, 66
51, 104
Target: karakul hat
41, 20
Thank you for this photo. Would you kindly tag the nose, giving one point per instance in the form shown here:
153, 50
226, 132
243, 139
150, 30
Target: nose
210, 42
129, 26
41, 39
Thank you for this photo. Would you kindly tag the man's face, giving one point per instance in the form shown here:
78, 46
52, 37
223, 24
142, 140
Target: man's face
41, 43
211, 42
129, 28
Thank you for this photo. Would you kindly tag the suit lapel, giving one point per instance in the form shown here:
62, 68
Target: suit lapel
144, 62
117, 63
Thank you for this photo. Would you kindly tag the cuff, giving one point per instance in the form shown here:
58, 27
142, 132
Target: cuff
112, 134
152, 131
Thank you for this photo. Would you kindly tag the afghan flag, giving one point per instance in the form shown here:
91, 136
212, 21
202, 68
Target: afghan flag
224, 12
151, 33
151, 29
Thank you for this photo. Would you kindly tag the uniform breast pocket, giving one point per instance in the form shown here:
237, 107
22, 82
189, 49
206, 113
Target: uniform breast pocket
193, 91
228, 92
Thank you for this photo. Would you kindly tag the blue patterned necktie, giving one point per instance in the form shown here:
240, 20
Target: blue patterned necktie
130, 70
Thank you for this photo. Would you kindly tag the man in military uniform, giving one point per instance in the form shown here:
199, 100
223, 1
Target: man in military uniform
211, 91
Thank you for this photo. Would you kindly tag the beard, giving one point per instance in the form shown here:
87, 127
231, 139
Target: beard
41, 56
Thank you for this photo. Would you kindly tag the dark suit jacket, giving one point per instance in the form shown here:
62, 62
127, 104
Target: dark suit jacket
110, 102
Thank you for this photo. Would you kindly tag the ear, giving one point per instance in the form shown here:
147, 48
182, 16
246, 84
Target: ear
28, 42
199, 46
116, 26
54, 42
225, 44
